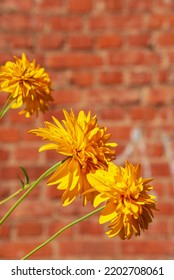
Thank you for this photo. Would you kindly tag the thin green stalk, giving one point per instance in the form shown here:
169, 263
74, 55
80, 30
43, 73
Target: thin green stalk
62, 230
45, 174
7, 106
14, 194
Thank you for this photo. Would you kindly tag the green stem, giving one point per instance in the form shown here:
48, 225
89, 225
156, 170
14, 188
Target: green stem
45, 174
7, 106
14, 194
62, 230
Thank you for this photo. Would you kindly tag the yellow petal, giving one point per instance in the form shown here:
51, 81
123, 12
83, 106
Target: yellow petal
49, 146
100, 198
108, 213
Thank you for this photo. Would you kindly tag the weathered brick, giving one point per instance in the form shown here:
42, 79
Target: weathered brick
166, 40
109, 41
49, 4
116, 22
113, 6
76, 60
139, 40
82, 79
79, 6
98, 249
50, 41
29, 229
110, 78
114, 58
136, 5
9, 135
139, 78
17, 250
134, 58
63, 23
78, 42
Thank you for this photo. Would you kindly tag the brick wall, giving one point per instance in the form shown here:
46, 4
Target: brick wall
115, 58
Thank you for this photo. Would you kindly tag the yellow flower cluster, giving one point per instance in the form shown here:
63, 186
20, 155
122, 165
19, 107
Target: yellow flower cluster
26, 83
89, 172
85, 145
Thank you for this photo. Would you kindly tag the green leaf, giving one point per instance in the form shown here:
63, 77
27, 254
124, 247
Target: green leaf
26, 177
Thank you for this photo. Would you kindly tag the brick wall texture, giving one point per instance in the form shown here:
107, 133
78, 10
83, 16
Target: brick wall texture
115, 58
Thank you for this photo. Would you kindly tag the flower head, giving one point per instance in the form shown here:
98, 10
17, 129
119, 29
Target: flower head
26, 83
128, 204
85, 145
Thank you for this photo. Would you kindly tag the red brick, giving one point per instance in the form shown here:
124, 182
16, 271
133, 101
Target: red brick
134, 58
119, 132
50, 41
155, 149
4, 191
78, 42
142, 113
4, 42
74, 60
115, 96
49, 4
160, 169
159, 96
53, 193
4, 231
162, 5
170, 56
109, 41
156, 21
151, 247
17, 250
65, 23
9, 172
16, 118
166, 208
15, 5
24, 41
116, 22
4, 154
116, 113
139, 78
91, 228
109, 78
25, 229
166, 40
20, 22
34, 208
82, 79
163, 76
99, 249
137, 5
79, 6
9, 135
64, 96
157, 226
29, 154
113, 6
138, 40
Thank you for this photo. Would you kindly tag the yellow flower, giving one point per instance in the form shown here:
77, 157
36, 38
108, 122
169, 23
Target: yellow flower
27, 84
85, 145
128, 205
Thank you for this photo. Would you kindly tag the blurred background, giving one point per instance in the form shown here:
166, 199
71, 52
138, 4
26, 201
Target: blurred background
114, 58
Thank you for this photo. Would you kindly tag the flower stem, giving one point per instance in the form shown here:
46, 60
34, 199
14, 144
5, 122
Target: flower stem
7, 106
60, 231
14, 194
45, 174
